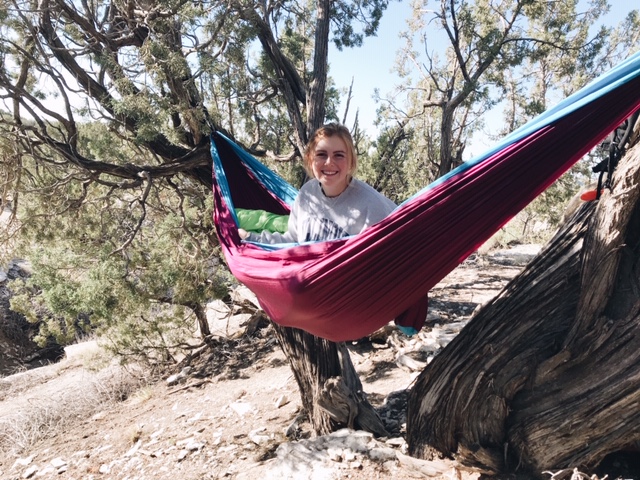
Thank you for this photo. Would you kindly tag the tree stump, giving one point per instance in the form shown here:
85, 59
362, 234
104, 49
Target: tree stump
546, 375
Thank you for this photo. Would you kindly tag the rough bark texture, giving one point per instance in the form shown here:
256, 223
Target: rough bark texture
546, 376
317, 87
330, 389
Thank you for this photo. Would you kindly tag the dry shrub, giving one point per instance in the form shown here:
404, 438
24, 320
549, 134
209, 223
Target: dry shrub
38, 404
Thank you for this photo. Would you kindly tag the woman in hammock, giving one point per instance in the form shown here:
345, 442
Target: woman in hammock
335, 204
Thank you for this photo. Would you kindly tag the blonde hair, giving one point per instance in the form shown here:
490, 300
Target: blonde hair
329, 130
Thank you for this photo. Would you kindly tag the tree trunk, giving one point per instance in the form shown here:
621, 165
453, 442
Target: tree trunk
546, 375
329, 386
331, 391
317, 87
446, 135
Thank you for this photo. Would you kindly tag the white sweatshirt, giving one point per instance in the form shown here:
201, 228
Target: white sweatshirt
315, 217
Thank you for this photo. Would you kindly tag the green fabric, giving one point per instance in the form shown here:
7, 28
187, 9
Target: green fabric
259, 220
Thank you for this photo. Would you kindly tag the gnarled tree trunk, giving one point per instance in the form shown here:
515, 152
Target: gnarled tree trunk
546, 375
329, 386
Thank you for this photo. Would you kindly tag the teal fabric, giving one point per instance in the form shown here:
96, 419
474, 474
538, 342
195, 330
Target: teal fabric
408, 331
259, 220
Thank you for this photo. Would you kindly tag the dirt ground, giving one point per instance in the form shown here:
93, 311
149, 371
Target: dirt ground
87, 418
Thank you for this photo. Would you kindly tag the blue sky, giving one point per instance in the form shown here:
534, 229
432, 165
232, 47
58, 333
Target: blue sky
370, 66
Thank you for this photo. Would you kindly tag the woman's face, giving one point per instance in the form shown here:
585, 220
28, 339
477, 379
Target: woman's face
331, 165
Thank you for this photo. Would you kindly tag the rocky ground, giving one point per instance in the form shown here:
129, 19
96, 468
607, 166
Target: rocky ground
88, 418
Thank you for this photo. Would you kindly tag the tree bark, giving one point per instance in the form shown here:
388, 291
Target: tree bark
329, 386
545, 376
317, 87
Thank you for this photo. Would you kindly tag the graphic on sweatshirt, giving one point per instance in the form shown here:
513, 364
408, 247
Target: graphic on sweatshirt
321, 229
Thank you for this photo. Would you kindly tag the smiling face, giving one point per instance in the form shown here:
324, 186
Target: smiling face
331, 165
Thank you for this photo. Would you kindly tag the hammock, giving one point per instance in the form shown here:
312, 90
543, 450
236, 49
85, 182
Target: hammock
346, 289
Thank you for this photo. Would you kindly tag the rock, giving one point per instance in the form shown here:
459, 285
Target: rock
382, 454
241, 408
23, 462
430, 468
404, 361
58, 463
82, 350
179, 377
133, 450
30, 472
396, 441
242, 293
517, 255
182, 455
257, 437
281, 401
292, 430
334, 454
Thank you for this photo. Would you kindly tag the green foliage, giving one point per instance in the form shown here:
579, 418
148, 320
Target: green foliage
132, 271
540, 219
391, 167
345, 14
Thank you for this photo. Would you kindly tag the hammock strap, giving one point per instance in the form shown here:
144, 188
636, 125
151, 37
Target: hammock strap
616, 143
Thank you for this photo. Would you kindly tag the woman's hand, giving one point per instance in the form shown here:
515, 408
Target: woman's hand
243, 233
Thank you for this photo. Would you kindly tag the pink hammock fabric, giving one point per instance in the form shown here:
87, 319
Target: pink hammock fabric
346, 289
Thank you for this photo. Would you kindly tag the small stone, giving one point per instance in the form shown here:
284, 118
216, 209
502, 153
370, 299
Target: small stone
58, 462
381, 454
133, 449
349, 456
184, 441
228, 448
182, 455
99, 416
46, 471
195, 418
335, 454
390, 466
395, 441
194, 446
409, 363
260, 439
281, 401
23, 462
178, 377
241, 408
30, 472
